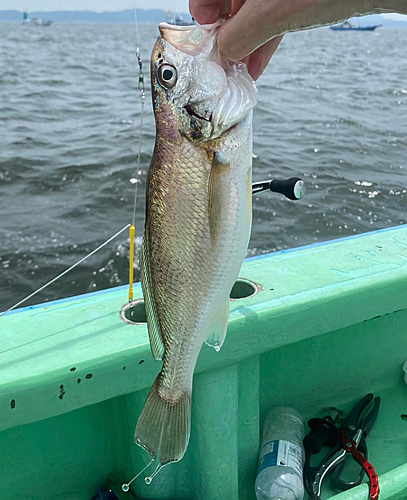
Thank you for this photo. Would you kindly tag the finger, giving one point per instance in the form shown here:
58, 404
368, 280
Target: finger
257, 61
261, 20
245, 31
236, 6
205, 11
209, 11
225, 8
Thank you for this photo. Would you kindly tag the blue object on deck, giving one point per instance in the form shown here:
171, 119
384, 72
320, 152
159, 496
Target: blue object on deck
103, 494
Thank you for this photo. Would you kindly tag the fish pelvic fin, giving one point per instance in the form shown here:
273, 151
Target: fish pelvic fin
219, 328
153, 325
164, 426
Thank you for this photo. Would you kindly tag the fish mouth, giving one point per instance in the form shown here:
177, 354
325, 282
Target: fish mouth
190, 39
206, 115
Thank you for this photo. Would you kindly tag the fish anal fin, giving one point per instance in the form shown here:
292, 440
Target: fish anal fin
219, 328
153, 324
164, 426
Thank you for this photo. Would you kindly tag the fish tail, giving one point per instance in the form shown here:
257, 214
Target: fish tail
163, 427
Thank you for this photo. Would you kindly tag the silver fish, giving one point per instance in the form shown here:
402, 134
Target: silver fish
198, 219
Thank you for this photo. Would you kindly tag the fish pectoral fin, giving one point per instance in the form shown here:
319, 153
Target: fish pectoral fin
218, 193
219, 328
153, 324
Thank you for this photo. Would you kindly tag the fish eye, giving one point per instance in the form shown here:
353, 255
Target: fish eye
167, 76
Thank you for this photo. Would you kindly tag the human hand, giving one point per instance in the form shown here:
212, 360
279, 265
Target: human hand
255, 26
209, 11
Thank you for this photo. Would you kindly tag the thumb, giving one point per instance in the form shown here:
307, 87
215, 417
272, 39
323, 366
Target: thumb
257, 61
247, 30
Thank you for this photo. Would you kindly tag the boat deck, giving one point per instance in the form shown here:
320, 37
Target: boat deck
328, 326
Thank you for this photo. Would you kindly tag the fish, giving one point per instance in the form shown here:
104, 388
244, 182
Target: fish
198, 219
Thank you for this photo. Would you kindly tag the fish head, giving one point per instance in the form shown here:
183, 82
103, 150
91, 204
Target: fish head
197, 93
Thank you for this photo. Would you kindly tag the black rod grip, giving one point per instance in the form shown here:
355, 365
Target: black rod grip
293, 188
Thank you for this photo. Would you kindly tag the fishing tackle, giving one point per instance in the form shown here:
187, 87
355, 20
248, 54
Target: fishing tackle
347, 439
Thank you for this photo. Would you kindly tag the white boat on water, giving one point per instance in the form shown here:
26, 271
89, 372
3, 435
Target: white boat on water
35, 21
178, 20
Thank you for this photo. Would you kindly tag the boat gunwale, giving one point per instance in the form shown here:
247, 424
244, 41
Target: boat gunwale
247, 259
308, 309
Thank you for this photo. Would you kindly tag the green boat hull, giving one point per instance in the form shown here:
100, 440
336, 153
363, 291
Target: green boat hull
328, 325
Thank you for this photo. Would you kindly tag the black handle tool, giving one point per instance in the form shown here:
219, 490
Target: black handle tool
293, 188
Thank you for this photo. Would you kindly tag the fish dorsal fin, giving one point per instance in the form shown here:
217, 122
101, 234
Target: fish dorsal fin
153, 324
218, 192
219, 327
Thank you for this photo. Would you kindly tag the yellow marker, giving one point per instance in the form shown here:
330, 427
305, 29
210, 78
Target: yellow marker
131, 259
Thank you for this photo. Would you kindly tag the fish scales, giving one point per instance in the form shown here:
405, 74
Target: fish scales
188, 271
198, 220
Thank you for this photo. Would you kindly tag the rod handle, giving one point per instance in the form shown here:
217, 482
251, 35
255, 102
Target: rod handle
293, 188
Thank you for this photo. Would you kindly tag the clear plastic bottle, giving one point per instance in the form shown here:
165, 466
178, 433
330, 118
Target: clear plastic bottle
281, 458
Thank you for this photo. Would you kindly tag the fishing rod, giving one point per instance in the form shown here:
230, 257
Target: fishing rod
293, 188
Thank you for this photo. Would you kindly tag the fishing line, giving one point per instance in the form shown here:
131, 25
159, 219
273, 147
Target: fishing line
64, 272
135, 179
126, 486
136, 21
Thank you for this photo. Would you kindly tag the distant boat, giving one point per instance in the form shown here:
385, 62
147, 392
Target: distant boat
177, 20
35, 21
182, 22
347, 26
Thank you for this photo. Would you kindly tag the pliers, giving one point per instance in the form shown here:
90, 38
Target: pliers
349, 439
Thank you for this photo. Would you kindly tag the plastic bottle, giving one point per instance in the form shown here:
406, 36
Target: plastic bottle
405, 372
281, 459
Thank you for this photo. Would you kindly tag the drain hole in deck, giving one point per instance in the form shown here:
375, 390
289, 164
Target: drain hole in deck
133, 312
243, 289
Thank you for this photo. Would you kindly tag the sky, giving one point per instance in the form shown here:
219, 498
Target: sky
96, 5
